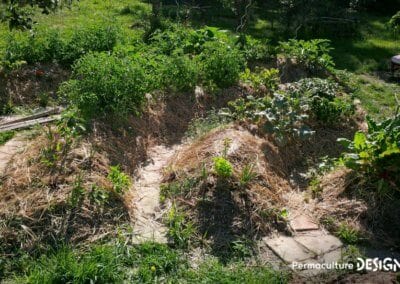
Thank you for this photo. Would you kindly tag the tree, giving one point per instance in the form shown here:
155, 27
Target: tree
18, 17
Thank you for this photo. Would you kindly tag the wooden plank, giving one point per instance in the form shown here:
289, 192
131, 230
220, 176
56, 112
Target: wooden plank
49, 112
30, 123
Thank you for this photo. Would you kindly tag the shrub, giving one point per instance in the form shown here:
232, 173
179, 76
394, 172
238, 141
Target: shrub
177, 37
222, 167
49, 45
286, 117
42, 46
325, 106
120, 181
376, 154
255, 49
394, 23
99, 37
178, 72
104, 84
221, 64
313, 54
267, 78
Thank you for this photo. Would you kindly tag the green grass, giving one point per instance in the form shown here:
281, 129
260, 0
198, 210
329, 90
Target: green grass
371, 50
86, 12
377, 97
5, 136
146, 263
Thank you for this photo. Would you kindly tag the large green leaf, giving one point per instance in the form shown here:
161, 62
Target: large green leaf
360, 141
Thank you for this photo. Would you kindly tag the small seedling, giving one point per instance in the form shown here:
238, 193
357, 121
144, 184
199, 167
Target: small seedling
120, 181
247, 175
77, 193
227, 144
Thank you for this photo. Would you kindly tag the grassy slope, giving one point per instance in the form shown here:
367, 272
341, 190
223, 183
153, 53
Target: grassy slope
85, 12
366, 54
371, 50
108, 263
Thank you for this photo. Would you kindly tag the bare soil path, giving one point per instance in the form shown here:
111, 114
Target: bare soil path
148, 213
9, 149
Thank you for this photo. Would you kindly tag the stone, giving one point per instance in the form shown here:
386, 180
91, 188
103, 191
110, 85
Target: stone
332, 256
288, 249
303, 223
318, 242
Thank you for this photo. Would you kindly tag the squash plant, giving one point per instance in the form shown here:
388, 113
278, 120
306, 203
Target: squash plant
376, 153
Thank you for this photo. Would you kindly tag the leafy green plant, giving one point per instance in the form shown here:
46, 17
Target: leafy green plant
324, 104
5, 136
105, 84
242, 248
313, 54
314, 186
221, 64
286, 117
376, 154
77, 193
179, 72
180, 230
255, 49
222, 167
394, 23
49, 45
119, 180
99, 195
178, 37
246, 108
266, 78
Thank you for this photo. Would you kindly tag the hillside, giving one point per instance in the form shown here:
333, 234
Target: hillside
170, 144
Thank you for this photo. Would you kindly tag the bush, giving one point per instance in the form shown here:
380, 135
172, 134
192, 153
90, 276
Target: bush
104, 84
376, 154
221, 64
222, 167
394, 23
325, 106
100, 37
286, 117
313, 54
178, 72
49, 45
42, 46
254, 49
267, 78
178, 37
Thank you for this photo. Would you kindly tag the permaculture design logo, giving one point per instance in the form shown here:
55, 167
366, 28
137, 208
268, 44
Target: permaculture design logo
367, 264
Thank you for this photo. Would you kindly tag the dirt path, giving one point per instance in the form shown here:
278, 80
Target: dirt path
148, 214
9, 149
